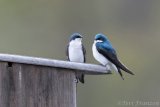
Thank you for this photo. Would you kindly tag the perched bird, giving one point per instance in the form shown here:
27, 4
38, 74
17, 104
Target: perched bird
104, 53
76, 53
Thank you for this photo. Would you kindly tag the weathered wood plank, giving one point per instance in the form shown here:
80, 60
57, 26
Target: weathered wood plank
4, 85
81, 67
36, 86
39, 82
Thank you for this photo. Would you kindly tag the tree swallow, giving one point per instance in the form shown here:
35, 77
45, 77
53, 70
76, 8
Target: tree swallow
76, 53
104, 53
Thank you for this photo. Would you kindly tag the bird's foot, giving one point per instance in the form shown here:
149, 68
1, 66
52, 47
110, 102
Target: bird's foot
101, 64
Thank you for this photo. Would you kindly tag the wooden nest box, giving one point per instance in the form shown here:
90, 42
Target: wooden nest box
38, 82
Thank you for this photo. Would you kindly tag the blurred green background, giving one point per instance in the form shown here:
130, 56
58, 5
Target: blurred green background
41, 28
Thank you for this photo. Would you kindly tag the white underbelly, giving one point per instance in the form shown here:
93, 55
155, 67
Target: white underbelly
100, 58
76, 54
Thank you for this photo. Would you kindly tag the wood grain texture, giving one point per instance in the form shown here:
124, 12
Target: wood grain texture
5, 88
39, 82
36, 86
81, 67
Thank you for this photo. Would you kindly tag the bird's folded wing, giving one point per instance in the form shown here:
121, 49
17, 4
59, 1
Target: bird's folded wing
110, 54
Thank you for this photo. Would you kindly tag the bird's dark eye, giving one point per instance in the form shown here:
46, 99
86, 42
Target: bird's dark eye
78, 36
99, 39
